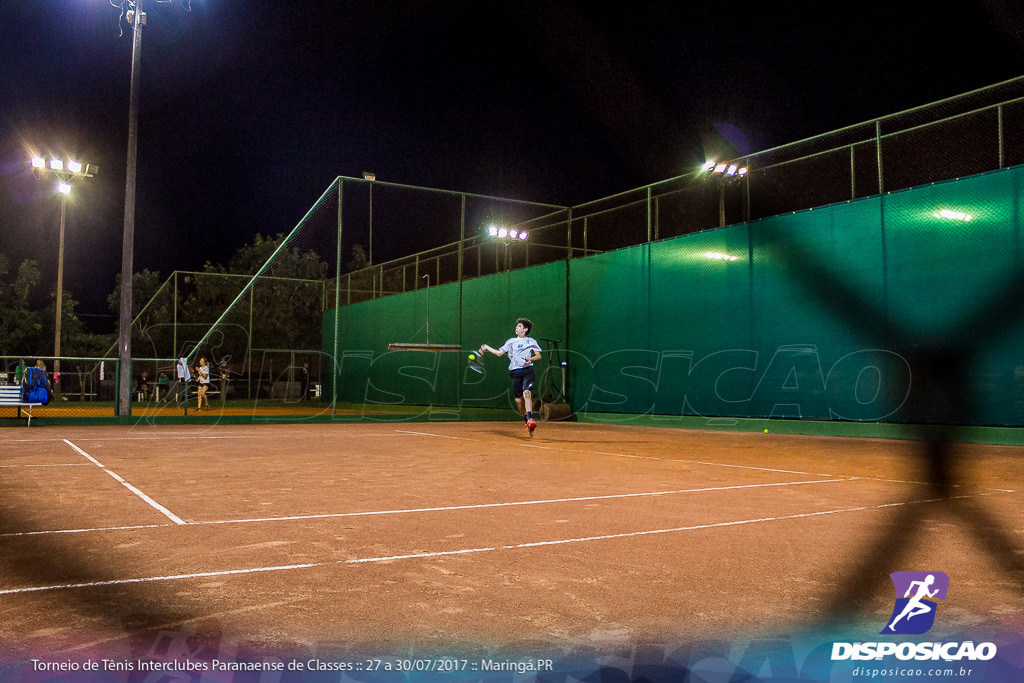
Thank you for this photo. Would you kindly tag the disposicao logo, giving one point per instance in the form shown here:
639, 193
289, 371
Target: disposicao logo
916, 601
917, 594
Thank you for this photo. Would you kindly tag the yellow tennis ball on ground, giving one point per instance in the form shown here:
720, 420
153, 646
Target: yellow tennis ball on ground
766, 431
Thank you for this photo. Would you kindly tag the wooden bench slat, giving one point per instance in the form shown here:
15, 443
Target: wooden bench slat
10, 396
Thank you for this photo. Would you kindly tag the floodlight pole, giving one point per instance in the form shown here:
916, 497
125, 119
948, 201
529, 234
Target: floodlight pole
60, 294
64, 176
128, 245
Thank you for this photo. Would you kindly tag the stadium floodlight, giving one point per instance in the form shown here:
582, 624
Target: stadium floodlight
508, 234
63, 169
65, 173
723, 168
726, 172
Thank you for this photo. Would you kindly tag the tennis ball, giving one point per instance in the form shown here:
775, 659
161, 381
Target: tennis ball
472, 356
766, 431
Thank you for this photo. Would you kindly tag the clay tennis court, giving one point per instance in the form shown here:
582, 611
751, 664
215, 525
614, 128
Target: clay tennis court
472, 537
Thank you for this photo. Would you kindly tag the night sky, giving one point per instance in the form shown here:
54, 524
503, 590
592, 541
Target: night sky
248, 110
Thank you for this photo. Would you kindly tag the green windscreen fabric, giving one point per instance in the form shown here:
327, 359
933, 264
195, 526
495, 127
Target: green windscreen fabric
840, 312
490, 308
468, 314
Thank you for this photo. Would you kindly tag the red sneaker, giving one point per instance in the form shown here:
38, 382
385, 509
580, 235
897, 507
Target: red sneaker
531, 425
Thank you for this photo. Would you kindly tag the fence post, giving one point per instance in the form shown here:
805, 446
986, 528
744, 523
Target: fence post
335, 369
878, 152
649, 216
1002, 159
853, 172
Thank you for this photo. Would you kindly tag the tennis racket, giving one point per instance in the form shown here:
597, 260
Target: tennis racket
476, 363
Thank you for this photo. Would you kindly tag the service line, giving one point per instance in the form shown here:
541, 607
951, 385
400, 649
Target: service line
149, 501
448, 553
440, 508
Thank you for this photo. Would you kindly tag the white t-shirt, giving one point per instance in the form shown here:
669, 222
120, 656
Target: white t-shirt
519, 351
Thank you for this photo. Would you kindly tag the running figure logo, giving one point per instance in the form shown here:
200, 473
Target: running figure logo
914, 612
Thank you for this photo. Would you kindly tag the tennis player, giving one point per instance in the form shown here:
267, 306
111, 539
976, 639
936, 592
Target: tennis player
523, 352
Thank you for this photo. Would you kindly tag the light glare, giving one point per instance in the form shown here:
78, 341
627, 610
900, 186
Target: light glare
75, 166
56, 164
64, 188
38, 162
719, 256
953, 215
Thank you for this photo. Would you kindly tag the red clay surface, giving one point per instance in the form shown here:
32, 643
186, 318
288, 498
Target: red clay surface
473, 537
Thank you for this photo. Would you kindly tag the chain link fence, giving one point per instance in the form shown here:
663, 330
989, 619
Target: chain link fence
365, 239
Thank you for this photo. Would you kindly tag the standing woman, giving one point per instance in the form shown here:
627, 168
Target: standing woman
203, 373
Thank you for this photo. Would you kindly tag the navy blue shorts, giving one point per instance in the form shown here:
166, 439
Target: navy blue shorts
522, 380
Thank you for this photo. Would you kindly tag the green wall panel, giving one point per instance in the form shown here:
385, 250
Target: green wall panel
833, 313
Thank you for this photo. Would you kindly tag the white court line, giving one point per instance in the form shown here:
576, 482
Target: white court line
209, 437
436, 436
445, 508
195, 437
177, 520
242, 435
445, 553
751, 467
151, 579
692, 462
717, 464
140, 438
543, 501
57, 532
152, 503
58, 464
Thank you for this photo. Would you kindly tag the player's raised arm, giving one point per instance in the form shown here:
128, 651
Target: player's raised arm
490, 349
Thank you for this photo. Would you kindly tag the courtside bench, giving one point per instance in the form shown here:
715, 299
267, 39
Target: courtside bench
10, 396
